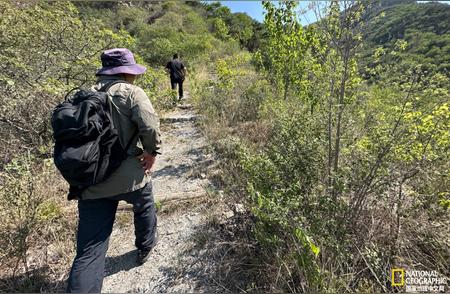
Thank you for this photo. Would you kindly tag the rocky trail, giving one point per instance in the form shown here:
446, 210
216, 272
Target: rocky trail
184, 260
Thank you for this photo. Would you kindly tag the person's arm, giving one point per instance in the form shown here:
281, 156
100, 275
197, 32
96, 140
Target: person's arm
147, 121
167, 68
184, 69
147, 160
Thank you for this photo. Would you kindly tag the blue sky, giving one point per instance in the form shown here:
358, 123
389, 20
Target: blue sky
255, 10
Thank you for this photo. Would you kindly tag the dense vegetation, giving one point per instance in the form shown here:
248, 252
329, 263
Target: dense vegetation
339, 144
335, 137
424, 27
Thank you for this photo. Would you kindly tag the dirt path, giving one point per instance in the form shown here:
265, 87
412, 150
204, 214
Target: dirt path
179, 262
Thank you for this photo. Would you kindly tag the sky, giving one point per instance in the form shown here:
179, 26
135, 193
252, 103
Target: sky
256, 11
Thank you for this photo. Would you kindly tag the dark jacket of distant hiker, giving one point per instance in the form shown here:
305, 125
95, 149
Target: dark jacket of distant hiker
177, 72
176, 69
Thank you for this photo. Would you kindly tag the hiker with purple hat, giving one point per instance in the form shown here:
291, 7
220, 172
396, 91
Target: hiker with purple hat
137, 125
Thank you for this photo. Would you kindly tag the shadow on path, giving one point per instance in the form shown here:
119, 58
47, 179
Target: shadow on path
123, 262
35, 280
171, 170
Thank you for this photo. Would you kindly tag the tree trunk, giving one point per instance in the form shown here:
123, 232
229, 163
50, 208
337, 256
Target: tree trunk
286, 87
329, 135
337, 144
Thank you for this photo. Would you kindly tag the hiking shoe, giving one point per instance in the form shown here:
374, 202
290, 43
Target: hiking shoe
143, 254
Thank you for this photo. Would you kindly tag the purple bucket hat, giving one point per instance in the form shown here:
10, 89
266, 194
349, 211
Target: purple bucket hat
119, 61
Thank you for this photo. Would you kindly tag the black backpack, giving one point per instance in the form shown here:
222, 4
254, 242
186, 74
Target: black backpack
87, 146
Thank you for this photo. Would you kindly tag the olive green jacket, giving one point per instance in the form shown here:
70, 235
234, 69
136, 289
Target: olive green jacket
131, 109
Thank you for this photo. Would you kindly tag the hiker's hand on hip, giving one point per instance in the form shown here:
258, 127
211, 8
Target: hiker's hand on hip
147, 160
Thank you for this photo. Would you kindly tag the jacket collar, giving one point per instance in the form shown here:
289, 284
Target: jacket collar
104, 79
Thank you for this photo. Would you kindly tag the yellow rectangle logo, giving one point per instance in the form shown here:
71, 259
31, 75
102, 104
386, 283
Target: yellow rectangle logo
398, 277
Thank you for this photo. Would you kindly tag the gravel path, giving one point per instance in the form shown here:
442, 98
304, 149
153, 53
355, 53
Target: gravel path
179, 261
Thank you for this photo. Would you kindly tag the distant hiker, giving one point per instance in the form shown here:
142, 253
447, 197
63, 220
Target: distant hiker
136, 122
177, 72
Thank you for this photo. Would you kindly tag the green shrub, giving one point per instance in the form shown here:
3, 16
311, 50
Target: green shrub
41, 63
282, 181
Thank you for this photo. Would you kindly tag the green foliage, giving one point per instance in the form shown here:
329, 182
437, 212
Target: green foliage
235, 78
282, 184
338, 170
48, 210
158, 205
179, 29
422, 25
344, 174
23, 209
132, 19
40, 63
37, 225
221, 30
411, 120
240, 26
285, 55
43, 61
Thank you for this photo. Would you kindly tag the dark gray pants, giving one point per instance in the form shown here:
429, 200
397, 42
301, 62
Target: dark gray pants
173, 84
96, 218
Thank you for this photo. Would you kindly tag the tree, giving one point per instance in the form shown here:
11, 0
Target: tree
40, 63
341, 37
241, 28
286, 48
220, 28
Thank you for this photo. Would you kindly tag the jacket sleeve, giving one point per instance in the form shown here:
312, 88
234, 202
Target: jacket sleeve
146, 119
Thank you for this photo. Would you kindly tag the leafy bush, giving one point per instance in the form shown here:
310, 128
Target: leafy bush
282, 183
236, 93
179, 30
40, 63
35, 216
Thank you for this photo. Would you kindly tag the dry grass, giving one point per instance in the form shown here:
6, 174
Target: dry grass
226, 258
255, 132
42, 263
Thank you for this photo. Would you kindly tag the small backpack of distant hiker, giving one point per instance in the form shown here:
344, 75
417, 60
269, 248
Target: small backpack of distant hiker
87, 146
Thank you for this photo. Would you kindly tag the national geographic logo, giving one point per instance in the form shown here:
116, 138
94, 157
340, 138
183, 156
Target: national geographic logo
398, 277
418, 281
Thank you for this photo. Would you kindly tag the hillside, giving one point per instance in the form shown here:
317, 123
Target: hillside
424, 26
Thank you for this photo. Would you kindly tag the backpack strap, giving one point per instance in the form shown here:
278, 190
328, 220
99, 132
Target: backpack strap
68, 93
102, 89
105, 88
